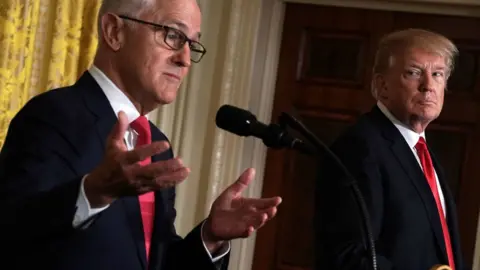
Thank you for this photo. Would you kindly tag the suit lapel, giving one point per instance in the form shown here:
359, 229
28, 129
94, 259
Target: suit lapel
132, 210
410, 165
97, 103
105, 118
158, 244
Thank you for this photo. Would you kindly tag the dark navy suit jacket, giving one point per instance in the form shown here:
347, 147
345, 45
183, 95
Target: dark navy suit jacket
55, 139
404, 216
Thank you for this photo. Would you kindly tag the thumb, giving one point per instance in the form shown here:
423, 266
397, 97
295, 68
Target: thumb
242, 182
118, 132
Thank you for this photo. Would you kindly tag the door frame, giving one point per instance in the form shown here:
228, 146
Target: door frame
263, 81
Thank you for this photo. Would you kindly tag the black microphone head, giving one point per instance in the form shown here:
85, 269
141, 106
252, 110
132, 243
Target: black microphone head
235, 120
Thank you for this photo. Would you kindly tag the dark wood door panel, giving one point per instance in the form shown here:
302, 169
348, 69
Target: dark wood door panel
334, 58
341, 99
337, 20
460, 111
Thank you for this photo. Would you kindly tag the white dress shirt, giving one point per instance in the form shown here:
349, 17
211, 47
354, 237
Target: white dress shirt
119, 102
411, 137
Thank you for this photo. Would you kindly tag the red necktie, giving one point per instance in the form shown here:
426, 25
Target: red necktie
429, 172
147, 205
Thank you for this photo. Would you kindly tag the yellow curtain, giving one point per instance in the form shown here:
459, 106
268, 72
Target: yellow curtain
43, 44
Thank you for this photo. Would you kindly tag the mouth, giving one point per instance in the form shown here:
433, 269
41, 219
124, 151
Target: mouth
427, 102
172, 76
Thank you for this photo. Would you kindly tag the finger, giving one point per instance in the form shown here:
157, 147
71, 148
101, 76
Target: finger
142, 152
142, 184
242, 182
249, 231
171, 179
262, 203
160, 167
258, 220
271, 212
118, 132
254, 219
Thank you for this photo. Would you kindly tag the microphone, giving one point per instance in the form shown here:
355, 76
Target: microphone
243, 123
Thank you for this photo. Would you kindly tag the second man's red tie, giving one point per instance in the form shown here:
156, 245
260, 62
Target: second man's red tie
429, 172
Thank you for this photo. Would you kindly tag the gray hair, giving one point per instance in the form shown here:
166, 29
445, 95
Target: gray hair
394, 43
125, 7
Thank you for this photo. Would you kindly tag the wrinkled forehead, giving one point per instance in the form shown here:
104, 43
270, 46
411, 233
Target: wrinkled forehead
184, 14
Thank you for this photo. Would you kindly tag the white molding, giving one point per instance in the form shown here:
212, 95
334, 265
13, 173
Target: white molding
470, 8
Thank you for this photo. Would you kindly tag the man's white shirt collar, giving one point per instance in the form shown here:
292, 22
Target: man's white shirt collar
411, 137
118, 100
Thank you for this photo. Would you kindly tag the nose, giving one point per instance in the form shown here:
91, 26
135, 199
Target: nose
181, 57
427, 83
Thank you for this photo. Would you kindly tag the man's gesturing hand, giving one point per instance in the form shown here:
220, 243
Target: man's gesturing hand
120, 173
234, 216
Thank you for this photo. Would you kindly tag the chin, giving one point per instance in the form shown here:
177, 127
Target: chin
166, 99
429, 115
166, 96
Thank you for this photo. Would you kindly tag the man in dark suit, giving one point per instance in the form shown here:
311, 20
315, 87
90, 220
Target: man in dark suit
87, 182
411, 208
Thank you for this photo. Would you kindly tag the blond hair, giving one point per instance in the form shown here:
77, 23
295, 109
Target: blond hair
391, 45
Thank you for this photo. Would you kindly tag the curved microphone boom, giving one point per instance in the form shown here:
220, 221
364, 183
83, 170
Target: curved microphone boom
351, 182
243, 123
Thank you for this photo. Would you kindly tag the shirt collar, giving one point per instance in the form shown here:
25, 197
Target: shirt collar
410, 136
117, 99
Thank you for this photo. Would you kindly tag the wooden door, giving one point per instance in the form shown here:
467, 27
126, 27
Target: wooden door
324, 76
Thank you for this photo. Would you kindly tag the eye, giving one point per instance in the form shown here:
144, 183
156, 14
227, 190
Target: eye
438, 74
413, 73
196, 47
173, 35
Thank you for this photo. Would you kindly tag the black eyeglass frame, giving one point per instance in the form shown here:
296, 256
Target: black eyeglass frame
176, 31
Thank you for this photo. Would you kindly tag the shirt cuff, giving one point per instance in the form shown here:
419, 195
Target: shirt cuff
84, 211
224, 250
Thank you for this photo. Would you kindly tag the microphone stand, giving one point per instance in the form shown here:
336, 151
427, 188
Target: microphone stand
288, 120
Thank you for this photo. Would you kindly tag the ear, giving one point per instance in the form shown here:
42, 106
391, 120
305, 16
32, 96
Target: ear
380, 85
113, 31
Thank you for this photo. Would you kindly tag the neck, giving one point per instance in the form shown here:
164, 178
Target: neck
413, 122
416, 124
108, 68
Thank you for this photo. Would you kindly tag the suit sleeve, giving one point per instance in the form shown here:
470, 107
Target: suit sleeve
190, 252
339, 242
38, 187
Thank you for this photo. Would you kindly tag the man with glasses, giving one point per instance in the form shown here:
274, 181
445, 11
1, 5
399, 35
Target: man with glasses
87, 182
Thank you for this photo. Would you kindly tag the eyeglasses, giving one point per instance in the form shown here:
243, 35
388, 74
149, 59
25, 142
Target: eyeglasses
174, 38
